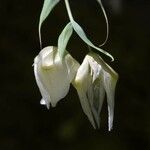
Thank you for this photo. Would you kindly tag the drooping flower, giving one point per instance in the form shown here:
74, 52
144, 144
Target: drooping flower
53, 74
94, 78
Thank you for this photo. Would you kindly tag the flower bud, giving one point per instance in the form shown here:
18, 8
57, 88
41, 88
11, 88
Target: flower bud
94, 78
54, 75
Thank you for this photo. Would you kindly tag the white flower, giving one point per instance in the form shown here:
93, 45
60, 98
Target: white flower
94, 77
54, 75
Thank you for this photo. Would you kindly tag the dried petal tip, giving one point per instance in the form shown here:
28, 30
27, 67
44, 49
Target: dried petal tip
95, 78
54, 75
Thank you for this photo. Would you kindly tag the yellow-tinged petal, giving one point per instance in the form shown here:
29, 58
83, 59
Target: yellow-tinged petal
82, 82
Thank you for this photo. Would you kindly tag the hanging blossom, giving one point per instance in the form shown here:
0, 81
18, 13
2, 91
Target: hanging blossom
54, 75
94, 78
55, 69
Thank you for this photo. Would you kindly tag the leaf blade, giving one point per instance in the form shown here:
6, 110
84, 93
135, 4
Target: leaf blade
83, 36
106, 20
64, 38
47, 8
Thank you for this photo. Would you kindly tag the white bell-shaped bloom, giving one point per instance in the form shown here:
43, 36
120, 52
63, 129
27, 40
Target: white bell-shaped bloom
94, 78
54, 75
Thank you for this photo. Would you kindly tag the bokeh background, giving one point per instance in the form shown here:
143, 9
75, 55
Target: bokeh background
25, 124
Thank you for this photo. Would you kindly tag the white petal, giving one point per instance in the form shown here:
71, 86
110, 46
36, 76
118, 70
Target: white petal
83, 76
109, 78
97, 89
98, 98
42, 89
86, 106
109, 85
101, 96
43, 102
72, 66
96, 68
82, 82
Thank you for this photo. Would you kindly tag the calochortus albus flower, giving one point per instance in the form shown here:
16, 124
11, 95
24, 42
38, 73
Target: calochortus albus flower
53, 74
55, 69
94, 78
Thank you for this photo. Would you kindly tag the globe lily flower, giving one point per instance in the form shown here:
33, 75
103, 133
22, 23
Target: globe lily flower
94, 78
54, 75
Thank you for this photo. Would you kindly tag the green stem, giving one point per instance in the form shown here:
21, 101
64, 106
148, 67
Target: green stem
69, 10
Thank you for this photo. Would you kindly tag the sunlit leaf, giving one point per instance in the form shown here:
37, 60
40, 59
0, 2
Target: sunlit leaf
47, 8
83, 36
64, 38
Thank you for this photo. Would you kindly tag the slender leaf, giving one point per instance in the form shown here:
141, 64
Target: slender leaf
83, 36
106, 19
64, 38
47, 8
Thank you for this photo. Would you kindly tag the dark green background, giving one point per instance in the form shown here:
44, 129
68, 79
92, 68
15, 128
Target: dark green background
25, 124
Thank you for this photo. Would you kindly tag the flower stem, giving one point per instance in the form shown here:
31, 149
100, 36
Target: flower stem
69, 10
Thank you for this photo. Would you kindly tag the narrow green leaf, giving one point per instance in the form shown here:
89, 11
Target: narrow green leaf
106, 19
64, 38
83, 36
47, 8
